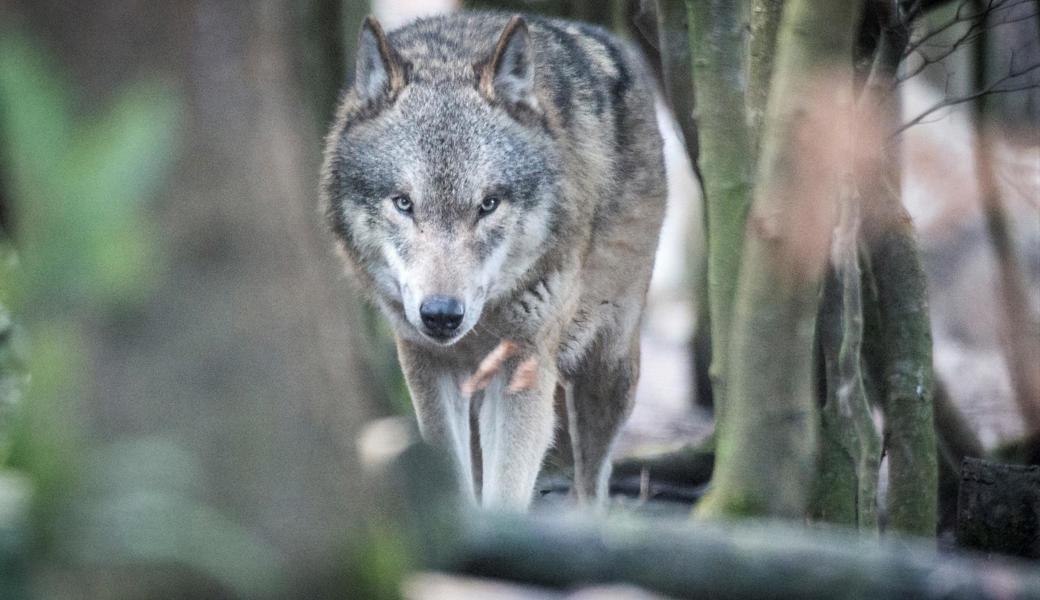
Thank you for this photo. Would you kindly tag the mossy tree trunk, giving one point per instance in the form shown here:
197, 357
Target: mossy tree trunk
724, 146
845, 489
901, 353
766, 445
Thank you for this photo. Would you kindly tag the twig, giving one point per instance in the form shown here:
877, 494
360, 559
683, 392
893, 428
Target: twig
990, 89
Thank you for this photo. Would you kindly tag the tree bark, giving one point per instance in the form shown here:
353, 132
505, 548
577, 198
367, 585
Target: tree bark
845, 491
765, 23
766, 445
716, 45
901, 354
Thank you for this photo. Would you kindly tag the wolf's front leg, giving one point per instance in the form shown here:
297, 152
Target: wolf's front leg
516, 429
442, 410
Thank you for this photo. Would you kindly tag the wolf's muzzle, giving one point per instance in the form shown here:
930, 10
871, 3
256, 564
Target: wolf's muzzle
441, 315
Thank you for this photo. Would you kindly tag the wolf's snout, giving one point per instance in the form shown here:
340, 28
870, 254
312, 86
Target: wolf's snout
441, 315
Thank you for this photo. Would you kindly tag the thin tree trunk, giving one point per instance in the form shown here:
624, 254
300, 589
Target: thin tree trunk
673, 35
677, 76
956, 438
716, 44
850, 448
1018, 329
901, 355
766, 447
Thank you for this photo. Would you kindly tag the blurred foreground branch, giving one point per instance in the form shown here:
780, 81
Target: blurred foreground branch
711, 561
678, 558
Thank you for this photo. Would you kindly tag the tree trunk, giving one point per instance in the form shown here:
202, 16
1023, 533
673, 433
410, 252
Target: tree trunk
1019, 331
673, 31
716, 45
956, 441
247, 353
845, 491
901, 354
766, 446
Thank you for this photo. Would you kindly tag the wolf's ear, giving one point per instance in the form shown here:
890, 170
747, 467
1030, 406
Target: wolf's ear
380, 71
508, 74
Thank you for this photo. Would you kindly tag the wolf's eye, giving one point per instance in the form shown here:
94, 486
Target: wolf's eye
402, 203
489, 205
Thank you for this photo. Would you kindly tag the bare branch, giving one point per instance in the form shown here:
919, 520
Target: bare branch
975, 18
980, 21
993, 88
970, 37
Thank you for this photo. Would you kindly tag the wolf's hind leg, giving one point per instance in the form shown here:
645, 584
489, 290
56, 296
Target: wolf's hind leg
516, 430
599, 399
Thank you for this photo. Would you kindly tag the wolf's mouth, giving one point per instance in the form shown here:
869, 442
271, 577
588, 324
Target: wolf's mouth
443, 338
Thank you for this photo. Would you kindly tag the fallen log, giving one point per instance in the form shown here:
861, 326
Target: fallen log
680, 558
690, 464
697, 560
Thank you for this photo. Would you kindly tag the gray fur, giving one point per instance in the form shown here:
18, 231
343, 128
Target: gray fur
557, 121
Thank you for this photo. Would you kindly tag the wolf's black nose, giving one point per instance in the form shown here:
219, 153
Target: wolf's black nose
441, 315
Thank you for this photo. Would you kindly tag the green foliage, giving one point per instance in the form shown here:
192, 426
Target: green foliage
13, 369
79, 185
379, 559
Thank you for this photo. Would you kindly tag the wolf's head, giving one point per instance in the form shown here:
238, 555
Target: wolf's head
440, 178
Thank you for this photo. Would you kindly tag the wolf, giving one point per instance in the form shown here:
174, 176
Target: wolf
496, 184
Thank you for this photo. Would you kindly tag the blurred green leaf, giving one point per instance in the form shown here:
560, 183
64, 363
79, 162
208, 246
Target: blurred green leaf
34, 115
81, 188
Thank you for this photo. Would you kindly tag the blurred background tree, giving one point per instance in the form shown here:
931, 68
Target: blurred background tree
198, 364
